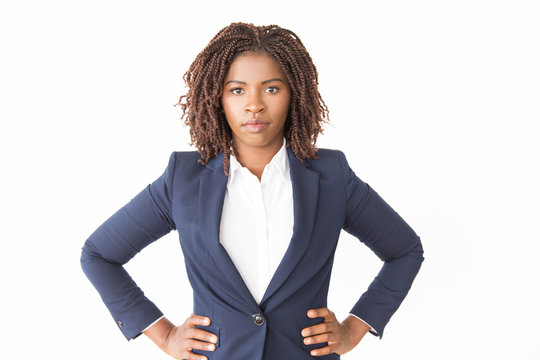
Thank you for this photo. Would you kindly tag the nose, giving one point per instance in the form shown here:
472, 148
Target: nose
254, 104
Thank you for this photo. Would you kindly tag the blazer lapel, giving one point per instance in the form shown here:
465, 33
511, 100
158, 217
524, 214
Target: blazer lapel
305, 185
213, 184
212, 187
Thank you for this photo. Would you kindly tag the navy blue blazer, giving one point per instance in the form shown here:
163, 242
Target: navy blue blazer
188, 197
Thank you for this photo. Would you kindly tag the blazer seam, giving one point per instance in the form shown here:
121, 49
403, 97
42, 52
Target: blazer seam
344, 183
172, 188
346, 225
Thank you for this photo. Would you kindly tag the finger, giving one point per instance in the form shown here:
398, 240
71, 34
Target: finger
204, 335
320, 312
317, 339
318, 329
193, 356
198, 320
200, 345
321, 351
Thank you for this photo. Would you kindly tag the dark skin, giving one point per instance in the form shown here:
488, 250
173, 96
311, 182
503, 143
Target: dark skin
255, 87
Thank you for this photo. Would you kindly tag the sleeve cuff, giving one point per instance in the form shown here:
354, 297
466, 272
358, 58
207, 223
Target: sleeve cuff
371, 330
161, 317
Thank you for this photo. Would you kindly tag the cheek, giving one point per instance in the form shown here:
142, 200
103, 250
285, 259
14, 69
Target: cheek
229, 103
283, 106
231, 112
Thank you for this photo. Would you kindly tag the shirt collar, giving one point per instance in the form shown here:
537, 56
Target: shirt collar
280, 160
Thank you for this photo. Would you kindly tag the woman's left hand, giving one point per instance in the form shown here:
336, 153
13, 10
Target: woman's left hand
341, 337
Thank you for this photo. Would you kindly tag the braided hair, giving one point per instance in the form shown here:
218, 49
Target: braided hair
209, 130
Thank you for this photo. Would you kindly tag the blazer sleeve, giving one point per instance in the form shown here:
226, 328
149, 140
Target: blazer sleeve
144, 219
378, 226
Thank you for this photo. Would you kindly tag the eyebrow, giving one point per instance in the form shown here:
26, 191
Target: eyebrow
264, 82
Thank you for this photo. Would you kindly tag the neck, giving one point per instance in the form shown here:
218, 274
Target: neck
256, 158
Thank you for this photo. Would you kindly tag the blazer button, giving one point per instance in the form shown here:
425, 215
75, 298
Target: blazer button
258, 319
121, 324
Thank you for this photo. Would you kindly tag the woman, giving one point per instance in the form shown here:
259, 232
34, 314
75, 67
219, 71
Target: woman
259, 209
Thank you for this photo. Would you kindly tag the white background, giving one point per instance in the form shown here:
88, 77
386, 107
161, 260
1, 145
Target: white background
435, 104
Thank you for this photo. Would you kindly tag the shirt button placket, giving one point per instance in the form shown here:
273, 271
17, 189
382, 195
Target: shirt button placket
262, 242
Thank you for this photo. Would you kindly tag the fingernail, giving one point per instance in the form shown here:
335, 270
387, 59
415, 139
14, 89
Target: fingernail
211, 347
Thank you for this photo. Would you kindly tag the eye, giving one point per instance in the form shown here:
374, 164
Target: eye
236, 91
272, 89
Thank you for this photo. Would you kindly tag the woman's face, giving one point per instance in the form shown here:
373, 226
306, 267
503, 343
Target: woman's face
255, 100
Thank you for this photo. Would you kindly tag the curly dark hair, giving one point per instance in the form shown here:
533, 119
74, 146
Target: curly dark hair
209, 130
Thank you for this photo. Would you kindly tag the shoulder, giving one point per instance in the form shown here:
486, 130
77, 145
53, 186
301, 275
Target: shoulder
328, 153
186, 156
185, 162
333, 159
328, 160
328, 156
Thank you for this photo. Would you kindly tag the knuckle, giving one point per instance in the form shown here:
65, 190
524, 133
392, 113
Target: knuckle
203, 335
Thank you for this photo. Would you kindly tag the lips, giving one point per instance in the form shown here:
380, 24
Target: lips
255, 125
255, 122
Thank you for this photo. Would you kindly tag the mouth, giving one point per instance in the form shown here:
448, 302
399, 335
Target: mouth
255, 125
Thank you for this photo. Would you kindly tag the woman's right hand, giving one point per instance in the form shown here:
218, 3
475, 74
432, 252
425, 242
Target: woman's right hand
186, 337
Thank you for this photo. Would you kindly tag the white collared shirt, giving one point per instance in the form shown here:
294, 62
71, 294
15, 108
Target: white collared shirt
257, 221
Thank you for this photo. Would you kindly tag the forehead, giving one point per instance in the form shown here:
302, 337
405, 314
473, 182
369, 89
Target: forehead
254, 66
